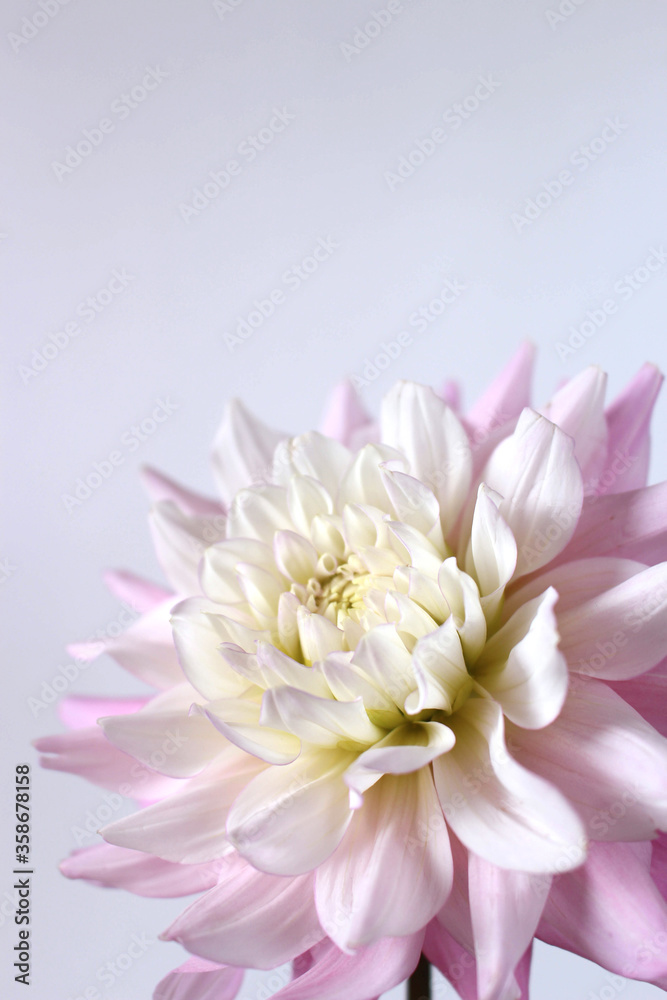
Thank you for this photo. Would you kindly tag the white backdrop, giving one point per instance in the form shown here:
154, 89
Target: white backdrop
505, 155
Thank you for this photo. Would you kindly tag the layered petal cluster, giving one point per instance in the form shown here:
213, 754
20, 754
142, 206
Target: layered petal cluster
411, 692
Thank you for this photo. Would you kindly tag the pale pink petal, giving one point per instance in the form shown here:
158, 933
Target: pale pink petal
578, 409
450, 391
81, 711
289, 819
140, 594
145, 649
621, 633
506, 907
659, 863
242, 451
433, 440
257, 921
632, 525
161, 487
629, 418
393, 869
537, 474
608, 762
576, 582
508, 394
142, 874
610, 912
343, 413
456, 963
188, 827
88, 753
198, 979
369, 972
648, 695
496, 807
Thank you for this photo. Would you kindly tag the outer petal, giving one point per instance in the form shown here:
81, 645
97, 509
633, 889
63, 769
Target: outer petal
606, 759
242, 451
198, 979
456, 962
417, 422
648, 695
134, 590
161, 487
522, 668
508, 394
288, 820
629, 418
576, 582
611, 912
537, 474
368, 972
621, 633
578, 409
257, 921
632, 525
118, 868
343, 414
189, 826
82, 711
393, 869
180, 540
506, 907
497, 808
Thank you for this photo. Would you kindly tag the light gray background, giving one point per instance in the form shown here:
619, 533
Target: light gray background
324, 176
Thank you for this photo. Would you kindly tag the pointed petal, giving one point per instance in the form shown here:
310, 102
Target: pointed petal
287, 820
198, 979
629, 419
399, 829
198, 636
504, 813
319, 721
608, 762
82, 711
142, 874
161, 487
239, 721
242, 451
522, 668
417, 422
257, 921
404, 750
508, 394
506, 907
537, 474
343, 413
621, 633
492, 553
140, 594
576, 582
368, 972
578, 409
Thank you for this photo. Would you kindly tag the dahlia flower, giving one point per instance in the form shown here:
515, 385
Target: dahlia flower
410, 697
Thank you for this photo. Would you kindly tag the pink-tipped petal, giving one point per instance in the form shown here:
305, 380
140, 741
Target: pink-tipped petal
140, 594
257, 921
628, 419
578, 409
82, 711
142, 874
508, 394
506, 908
161, 487
606, 759
198, 979
611, 912
630, 525
399, 829
367, 973
343, 414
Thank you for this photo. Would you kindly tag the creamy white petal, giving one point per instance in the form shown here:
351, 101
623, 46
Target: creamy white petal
491, 552
197, 637
318, 636
239, 720
242, 450
259, 513
218, 570
322, 722
578, 409
443, 681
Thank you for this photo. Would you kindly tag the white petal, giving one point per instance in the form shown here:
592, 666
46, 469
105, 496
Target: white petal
218, 570
462, 595
320, 721
522, 667
295, 556
348, 681
314, 455
414, 504
242, 450
492, 553
172, 743
382, 655
318, 636
497, 808
258, 513
306, 499
537, 474
180, 542
578, 409
432, 438
289, 819
440, 670
239, 720
363, 482
402, 751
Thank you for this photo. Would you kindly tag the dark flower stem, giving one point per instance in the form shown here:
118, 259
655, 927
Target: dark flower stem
419, 984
